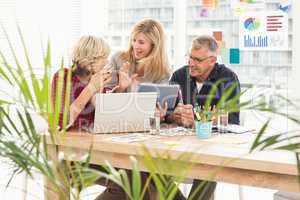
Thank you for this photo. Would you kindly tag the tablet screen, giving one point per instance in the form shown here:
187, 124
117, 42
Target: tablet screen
166, 93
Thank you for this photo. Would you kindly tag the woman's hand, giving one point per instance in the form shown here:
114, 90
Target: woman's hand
124, 79
99, 80
135, 81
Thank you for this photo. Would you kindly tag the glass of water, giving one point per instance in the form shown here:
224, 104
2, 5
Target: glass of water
222, 122
154, 124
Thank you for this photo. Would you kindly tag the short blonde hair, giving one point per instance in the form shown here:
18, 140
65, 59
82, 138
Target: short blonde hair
86, 51
156, 64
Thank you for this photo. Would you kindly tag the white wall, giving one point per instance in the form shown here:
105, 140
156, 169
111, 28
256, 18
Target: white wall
295, 75
94, 17
41, 20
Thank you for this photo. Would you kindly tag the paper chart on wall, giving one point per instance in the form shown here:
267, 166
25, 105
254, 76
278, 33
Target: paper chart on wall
263, 31
241, 6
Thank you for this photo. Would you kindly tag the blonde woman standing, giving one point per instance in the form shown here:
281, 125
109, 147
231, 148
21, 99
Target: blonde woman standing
88, 77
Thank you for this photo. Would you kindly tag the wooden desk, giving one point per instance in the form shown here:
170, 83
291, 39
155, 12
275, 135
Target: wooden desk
269, 169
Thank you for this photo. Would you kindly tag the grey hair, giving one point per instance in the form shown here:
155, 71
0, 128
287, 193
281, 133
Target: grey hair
205, 41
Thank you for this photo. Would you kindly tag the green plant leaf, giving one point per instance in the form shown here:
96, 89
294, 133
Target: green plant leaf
67, 100
257, 141
58, 97
136, 179
4, 75
34, 80
24, 87
10, 121
211, 94
228, 91
298, 165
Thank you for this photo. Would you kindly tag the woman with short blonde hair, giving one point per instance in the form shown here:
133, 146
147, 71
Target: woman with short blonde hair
88, 50
87, 78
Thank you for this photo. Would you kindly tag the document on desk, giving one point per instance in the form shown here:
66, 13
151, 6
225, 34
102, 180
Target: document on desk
128, 138
177, 131
237, 129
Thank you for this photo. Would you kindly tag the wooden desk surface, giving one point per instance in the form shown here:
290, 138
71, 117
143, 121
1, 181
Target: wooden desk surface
270, 169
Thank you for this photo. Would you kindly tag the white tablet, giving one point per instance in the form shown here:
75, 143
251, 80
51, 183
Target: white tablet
166, 93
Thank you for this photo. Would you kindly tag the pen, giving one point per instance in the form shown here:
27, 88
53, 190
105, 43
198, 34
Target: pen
197, 114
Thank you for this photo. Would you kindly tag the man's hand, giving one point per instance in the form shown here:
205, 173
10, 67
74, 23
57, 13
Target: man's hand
183, 115
162, 110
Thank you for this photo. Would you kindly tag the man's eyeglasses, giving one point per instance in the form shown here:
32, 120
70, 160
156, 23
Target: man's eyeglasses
198, 60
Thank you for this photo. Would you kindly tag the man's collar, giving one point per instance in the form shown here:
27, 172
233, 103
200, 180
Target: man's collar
213, 73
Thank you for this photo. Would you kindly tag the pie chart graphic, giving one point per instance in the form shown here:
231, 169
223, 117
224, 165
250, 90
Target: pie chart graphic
251, 24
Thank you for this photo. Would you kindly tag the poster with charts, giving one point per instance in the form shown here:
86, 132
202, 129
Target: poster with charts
263, 31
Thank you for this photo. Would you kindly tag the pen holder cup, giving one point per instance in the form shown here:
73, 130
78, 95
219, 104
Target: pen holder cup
203, 129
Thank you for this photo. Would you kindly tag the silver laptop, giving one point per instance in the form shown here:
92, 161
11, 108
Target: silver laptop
124, 112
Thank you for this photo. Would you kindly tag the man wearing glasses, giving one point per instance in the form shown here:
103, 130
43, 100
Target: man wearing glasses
196, 80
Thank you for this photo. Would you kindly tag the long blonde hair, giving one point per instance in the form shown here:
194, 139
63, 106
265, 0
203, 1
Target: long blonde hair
87, 51
156, 64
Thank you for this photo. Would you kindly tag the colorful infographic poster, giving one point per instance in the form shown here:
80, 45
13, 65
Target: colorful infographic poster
247, 4
210, 4
241, 6
263, 31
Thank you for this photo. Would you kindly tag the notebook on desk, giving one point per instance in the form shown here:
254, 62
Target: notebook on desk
238, 129
124, 112
233, 128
